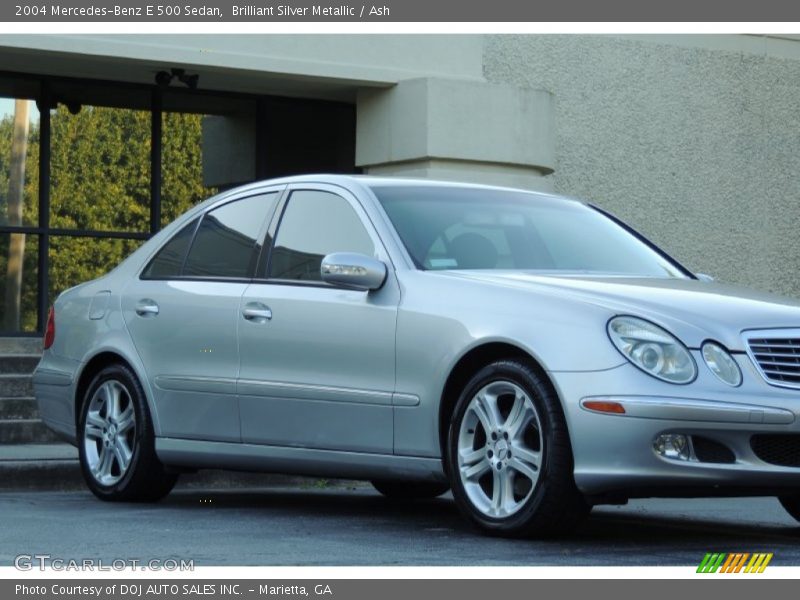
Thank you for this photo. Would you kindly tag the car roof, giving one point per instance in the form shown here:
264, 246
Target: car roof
372, 181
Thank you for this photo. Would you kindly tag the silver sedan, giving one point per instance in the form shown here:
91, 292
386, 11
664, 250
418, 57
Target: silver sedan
529, 352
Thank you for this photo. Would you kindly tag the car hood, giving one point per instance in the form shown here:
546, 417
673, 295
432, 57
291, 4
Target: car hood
693, 310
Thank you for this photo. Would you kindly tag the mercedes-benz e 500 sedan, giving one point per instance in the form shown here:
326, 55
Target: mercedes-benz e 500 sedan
529, 352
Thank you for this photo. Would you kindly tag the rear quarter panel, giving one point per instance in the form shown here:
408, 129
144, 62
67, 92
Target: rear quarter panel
78, 340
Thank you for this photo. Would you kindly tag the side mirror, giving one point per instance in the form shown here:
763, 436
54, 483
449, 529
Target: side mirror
704, 277
356, 271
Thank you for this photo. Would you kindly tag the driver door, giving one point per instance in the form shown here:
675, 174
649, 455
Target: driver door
317, 362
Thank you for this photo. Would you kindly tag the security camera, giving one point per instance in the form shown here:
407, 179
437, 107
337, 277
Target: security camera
163, 78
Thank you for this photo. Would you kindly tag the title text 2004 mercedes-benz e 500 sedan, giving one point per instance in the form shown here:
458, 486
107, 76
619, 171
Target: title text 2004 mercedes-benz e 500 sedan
529, 352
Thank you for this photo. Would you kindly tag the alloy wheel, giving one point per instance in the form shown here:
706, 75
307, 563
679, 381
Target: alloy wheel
500, 449
109, 435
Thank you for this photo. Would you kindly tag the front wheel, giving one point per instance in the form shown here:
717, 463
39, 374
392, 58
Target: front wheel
117, 445
509, 455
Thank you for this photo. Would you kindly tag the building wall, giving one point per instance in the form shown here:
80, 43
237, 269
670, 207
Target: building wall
693, 141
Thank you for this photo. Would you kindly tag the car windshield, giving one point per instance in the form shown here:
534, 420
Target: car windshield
480, 228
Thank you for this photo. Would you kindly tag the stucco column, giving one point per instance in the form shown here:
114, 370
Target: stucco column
457, 130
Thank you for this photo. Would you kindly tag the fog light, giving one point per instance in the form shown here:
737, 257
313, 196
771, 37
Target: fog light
672, 445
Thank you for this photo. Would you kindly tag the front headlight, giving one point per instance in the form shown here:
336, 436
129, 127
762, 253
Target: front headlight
721, 364
652, 349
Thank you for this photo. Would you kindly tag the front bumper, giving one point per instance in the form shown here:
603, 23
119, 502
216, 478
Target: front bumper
614, 453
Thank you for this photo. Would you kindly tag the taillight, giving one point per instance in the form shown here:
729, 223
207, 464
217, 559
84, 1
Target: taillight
50, 331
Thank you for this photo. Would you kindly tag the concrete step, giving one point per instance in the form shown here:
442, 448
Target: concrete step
56, 467
18, 408
21, 345
25, 431
18, 364
16, 386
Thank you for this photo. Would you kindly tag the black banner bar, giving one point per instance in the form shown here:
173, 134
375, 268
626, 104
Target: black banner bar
71, 11
384, 589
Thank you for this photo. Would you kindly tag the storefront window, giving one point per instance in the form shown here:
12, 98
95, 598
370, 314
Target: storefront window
19, 161
74, 260
18, 282
19, 193
207, 144
182, 184
99, 168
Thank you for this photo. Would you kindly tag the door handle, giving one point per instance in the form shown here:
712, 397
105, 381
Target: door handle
257, 312
147, 308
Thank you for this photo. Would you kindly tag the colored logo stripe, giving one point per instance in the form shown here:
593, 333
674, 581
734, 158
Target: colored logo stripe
734, 562
710, 563
758, 563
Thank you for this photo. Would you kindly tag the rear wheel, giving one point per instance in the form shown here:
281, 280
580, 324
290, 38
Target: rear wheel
410, 490
791, 503
117, 445
509, 455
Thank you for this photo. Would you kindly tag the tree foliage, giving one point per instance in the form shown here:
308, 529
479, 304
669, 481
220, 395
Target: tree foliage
99, 181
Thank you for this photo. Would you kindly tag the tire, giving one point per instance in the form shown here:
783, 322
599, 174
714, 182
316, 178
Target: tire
508, 417
791, 503
410, 490
107, 439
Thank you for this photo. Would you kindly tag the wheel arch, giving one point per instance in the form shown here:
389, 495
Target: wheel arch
467, 365
99, 361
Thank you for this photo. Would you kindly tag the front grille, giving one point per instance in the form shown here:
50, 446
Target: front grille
781, 449
711, 451
778, 358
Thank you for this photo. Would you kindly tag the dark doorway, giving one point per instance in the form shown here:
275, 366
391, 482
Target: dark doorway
305, 136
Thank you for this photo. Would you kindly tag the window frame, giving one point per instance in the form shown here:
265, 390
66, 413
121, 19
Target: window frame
260, 239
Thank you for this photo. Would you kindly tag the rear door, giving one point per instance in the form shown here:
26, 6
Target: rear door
183, 311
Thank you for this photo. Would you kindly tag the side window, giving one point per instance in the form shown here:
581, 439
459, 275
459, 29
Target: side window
226, 243
314, 224
169, 260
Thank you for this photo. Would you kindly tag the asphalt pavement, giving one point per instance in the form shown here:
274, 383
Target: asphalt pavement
319, 524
